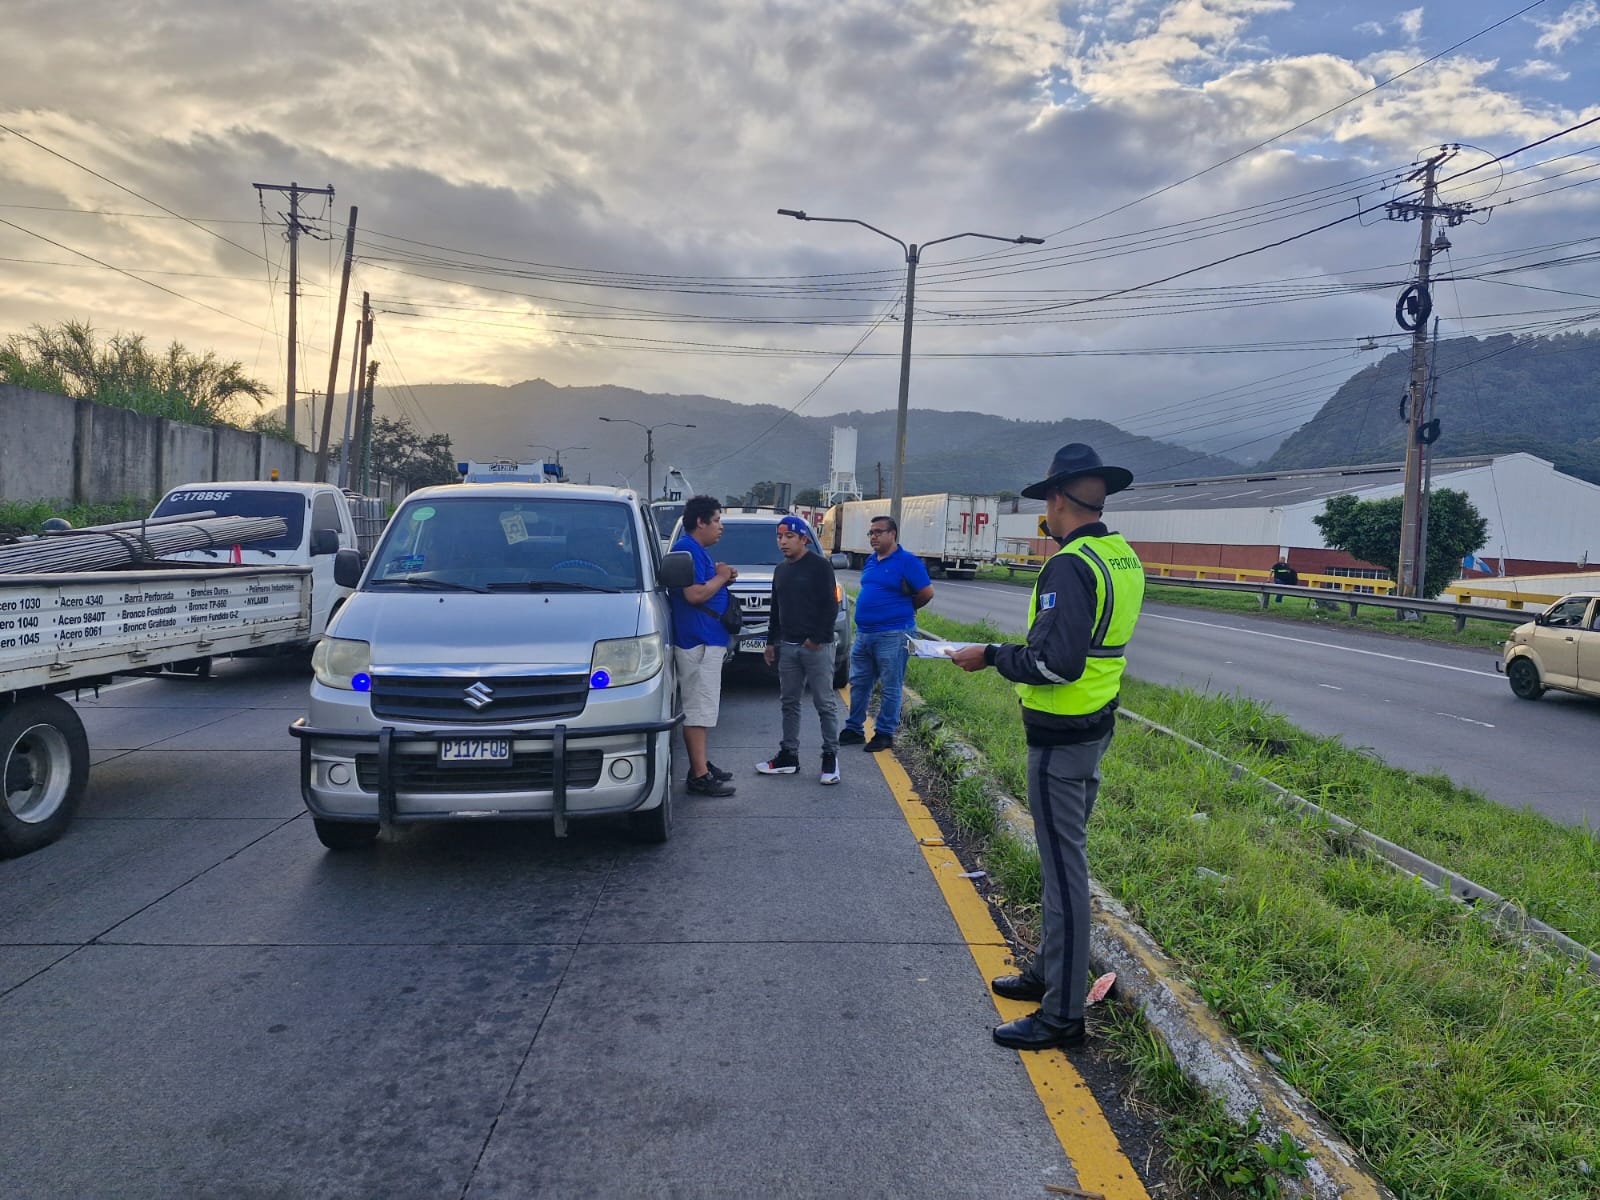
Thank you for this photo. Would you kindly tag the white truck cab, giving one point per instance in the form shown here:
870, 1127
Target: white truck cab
319, 522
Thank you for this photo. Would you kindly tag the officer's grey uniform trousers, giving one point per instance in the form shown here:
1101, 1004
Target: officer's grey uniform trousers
1063, 782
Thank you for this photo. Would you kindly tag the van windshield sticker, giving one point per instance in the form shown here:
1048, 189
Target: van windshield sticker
424, 513
516, 531
404, 566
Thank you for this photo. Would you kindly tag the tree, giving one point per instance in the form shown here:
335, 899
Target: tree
1370, 530
399, 450
178, 384
809, 497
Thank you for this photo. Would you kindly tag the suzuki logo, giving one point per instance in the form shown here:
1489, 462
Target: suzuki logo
479, 695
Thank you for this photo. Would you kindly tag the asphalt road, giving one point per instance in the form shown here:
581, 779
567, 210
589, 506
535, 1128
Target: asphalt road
1418, 705
198, 1000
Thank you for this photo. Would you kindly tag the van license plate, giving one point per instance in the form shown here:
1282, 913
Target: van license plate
474, 750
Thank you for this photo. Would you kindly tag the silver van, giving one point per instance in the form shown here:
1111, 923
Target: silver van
507, 654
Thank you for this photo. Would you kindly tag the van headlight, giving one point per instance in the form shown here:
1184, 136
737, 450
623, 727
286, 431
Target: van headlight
621, 661
343, 663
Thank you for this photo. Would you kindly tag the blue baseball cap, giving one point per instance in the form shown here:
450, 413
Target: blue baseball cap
798, 525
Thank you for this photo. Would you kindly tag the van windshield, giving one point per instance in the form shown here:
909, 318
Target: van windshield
749, 544
501, 544
242, 502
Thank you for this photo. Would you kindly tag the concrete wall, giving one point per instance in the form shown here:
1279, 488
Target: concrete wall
36, 434
124, 450
186, 453
233, 454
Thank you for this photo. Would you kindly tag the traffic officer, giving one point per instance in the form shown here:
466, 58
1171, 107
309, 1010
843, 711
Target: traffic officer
1084, 607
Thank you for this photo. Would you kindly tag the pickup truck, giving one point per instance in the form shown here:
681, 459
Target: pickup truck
319, 518
68, 631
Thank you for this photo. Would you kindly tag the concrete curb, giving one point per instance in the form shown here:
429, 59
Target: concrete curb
1209, 1057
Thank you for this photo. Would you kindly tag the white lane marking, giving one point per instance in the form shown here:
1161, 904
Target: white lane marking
1280, 637
1330, 687
1468, 720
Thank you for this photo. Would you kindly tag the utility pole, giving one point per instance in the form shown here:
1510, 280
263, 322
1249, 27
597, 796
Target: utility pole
358, 353
338, 338
366, 426
880, 481
1412, 313
292, 219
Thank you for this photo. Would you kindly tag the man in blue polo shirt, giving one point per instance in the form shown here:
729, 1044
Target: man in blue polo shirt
894, 584
699, 642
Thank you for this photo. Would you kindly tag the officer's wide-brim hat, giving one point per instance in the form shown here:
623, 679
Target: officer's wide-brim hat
1075, 461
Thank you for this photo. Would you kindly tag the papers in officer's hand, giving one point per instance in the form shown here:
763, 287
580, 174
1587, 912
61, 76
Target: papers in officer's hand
923, 648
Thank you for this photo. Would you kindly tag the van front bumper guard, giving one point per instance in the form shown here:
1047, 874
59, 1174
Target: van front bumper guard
558, 737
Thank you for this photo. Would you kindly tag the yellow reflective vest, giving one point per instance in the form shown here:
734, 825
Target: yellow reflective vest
1119, 594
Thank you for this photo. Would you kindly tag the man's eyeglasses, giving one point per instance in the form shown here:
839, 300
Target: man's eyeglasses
878, 532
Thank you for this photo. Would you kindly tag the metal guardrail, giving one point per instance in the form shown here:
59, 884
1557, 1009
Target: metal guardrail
1351, 591
1461, 612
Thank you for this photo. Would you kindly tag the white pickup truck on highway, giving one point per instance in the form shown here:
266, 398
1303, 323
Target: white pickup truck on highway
319, 521
73, 630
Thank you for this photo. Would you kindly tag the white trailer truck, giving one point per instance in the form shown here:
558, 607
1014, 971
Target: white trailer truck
952, 534
69, 631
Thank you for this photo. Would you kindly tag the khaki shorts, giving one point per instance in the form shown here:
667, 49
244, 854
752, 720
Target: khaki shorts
700, 682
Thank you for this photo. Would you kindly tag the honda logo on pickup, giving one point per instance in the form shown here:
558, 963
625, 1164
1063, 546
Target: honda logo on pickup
479, 695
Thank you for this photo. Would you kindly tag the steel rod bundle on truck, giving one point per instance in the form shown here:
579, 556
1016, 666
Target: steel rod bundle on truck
65, 631
108, 547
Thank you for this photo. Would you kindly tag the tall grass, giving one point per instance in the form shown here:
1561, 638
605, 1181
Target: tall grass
1459, 1064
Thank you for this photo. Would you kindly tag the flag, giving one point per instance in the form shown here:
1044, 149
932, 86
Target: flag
1473, 563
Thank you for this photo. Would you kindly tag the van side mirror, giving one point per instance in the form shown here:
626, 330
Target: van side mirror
346, 566
840, 562
324, 541
677, 570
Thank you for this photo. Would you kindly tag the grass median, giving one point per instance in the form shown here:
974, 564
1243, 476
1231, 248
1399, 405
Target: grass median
1459, 1064
1433, 627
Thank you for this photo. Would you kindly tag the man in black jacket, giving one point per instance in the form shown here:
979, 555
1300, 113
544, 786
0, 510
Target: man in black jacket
800, 641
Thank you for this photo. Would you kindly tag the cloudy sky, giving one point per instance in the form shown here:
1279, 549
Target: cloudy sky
587, 193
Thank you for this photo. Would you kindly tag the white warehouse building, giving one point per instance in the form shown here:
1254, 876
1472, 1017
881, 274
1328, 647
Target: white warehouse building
1541, 522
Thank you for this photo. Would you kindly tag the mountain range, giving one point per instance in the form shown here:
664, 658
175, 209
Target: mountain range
734, 446
1493, 396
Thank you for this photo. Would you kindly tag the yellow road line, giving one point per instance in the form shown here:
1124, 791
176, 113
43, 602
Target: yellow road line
1074, 1114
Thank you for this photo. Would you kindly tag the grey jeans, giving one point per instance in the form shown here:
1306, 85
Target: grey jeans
1063, 782
804, 672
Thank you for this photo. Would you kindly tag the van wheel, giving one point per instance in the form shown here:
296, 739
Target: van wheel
655, 825
1524, 678
346, 835
44, 771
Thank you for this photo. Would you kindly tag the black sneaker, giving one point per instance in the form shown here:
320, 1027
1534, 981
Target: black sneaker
784, 762
709, 785
717, 772
851, 737
880, 741
830, 767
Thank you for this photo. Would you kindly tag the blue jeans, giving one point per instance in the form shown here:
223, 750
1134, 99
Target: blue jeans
877, 658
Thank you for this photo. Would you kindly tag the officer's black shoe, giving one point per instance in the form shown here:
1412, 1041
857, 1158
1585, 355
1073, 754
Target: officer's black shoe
1038, 1032
851, 737
1017, 987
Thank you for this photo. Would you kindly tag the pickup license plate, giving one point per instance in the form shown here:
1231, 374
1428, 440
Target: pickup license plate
474, 750
754, 644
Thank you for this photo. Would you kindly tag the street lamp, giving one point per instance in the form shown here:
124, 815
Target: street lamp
913, 253
649, 447
558, 451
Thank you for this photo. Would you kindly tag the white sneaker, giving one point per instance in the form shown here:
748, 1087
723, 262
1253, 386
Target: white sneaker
830, 767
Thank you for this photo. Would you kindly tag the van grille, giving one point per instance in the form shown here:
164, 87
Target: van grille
510, 698
528, 771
